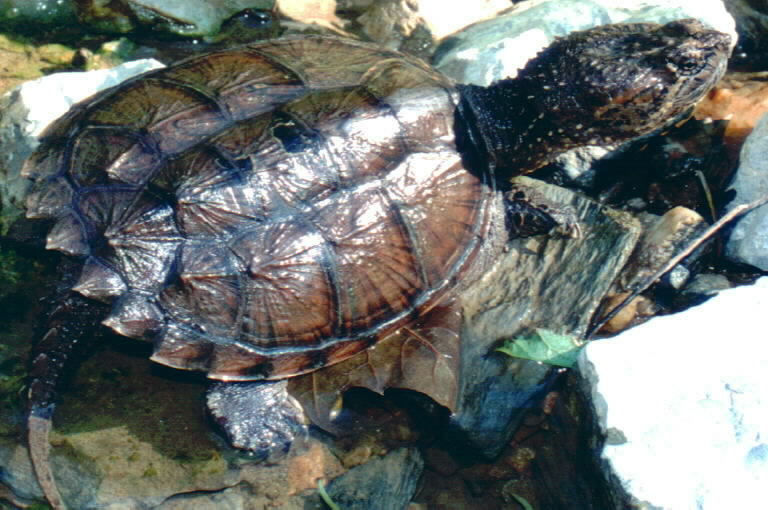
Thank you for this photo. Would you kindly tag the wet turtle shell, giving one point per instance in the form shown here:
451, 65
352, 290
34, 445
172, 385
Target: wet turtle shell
265, 211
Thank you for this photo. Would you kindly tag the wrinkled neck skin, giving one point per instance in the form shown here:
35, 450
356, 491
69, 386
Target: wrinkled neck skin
510, 132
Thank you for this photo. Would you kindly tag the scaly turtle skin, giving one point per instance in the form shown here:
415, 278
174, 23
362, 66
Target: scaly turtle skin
265, 211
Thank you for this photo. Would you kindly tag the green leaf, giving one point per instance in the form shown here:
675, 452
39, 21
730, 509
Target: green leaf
325, 497
544, 346
523, 502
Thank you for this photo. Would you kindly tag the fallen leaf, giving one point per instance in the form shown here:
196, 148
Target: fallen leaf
546, 347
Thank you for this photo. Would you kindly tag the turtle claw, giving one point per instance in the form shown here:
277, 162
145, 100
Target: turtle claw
260, 417
529, 213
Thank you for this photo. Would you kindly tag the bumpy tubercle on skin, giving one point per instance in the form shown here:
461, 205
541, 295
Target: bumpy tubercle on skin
632, 78
598, 87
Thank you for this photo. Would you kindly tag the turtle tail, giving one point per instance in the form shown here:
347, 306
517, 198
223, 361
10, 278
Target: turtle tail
72, 319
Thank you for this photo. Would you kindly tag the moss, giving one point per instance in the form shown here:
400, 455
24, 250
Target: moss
10, 271
25, 59
122, 388
64, 448
149, 472
20, 292
21, 281
38, 506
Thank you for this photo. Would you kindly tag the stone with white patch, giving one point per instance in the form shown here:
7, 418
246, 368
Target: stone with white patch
683, 401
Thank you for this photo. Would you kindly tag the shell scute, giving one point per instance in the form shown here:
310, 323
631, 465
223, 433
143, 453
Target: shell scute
207, 292
448, 192
245, 83
95, 149
177, 348
144, 263
68, 235
325, 62
372, 256
99, 281
49, 198
163, 117
352, 146
289, 287
135, 315
46, 161
212, 200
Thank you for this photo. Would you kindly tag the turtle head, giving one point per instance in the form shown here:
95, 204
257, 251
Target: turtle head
616, 82
600, 86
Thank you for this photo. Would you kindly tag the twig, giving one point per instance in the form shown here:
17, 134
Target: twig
705, 236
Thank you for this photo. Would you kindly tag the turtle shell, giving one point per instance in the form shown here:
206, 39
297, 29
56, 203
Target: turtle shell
264, 211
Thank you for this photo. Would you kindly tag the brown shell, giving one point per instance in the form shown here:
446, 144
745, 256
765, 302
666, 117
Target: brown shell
264, 211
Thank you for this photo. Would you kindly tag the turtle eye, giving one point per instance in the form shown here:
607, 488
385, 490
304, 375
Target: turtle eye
686, 66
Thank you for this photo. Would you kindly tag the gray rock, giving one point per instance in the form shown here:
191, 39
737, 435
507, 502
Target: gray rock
540, 282
28, 109
390, 22
387, 483
707, 284
191, 18
122, 467
682, 402
663, 238
228, 499
700, 288
748, 242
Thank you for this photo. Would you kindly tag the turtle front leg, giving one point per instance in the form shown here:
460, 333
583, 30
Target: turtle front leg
258, 416
72, 319
529, 213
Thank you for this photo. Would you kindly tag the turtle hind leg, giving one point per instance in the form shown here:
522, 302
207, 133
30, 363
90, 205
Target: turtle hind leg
72, 319
258, 416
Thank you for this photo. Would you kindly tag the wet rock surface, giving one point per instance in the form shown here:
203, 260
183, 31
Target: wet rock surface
26, 17
416, 26
381, 484
752, 22
185, 18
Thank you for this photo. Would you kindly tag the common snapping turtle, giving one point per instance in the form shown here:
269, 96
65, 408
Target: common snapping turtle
265, 211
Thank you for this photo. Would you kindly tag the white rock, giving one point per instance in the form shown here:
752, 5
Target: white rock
497, 48
28, 109
687, 395
748, 242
